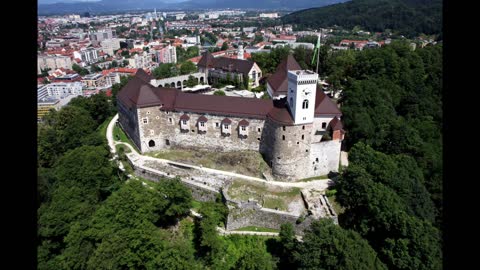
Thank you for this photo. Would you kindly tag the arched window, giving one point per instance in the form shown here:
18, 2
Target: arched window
305, 104
151, 143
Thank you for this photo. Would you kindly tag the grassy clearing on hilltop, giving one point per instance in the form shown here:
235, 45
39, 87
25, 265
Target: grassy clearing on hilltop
248, 163
268, 196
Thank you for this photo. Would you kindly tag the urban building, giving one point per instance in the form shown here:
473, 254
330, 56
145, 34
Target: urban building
94, 80
167, 54
53, 62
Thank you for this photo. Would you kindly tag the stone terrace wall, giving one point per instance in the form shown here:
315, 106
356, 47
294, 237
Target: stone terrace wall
199, 192
244, 214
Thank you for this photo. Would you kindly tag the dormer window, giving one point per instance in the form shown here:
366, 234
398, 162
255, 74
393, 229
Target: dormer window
226, 127
243, 129
202, 127
184, 125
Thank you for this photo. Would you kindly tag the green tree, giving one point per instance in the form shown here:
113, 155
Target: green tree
187, 68
219, 93
224, 46
380, 215
98, 106
327, 246
80, 70
192, 81
62, 131
165, 70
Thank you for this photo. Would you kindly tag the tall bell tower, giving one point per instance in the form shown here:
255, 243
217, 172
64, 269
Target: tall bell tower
302, 87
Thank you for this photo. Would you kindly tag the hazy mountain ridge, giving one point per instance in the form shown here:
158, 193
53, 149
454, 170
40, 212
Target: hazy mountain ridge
118, 5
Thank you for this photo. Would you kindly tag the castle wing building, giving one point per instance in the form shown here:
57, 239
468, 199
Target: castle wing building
299, 133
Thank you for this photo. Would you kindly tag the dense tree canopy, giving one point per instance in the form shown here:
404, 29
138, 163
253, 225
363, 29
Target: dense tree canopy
408, 17
327, 246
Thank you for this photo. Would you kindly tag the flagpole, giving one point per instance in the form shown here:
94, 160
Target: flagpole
318, 50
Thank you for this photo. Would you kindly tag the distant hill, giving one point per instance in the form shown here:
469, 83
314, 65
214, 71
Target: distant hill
123, 5
409, 17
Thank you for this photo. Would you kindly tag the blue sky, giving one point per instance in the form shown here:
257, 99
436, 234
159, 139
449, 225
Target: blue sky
69, 1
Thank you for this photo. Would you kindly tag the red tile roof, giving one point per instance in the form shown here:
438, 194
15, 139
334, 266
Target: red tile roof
226, 121
184, 117
243, 123
278, 80
140, 93
202, 119
336, 124
324, 105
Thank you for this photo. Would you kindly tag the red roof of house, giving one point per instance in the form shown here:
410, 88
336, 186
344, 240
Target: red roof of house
184, 117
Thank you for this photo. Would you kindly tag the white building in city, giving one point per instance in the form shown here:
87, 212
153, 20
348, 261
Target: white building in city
140, 61
268, 15
87, 55
53, 62
109, 46
59, 90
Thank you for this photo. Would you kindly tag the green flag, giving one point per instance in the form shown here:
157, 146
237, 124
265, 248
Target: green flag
315, 51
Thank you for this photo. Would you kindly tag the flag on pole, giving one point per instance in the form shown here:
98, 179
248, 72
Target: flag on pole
316, 50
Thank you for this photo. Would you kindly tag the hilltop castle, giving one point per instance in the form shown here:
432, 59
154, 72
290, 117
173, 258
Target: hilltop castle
298, 131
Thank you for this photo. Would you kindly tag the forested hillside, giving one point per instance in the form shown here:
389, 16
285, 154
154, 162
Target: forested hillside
407, 17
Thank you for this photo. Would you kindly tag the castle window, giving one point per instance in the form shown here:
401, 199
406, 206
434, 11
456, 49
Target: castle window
291, 102
324, 124
306, 150
184, 122
167, 142
202, 124
217, 124
152, 132
148, 112
226, 126
170, 120
303, 137
259, 129
303, 127
283, 137
145, 120
151, 143
316, 159
298, 142
258, 139
283, 128
157, 117
305, 104
278, 157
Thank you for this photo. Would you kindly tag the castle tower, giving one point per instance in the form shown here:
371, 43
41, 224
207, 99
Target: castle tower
240, 52
302, 87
